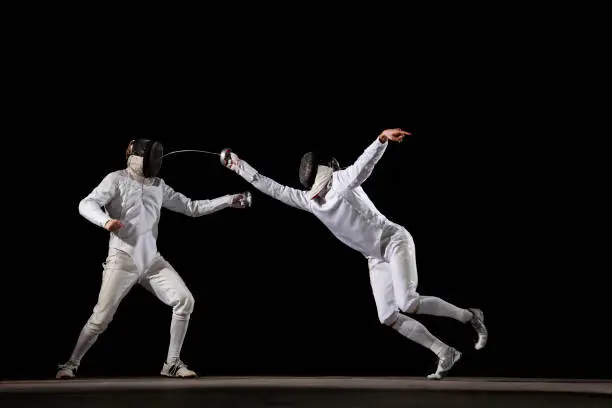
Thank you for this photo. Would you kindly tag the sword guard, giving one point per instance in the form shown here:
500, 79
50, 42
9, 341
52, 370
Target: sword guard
226, 156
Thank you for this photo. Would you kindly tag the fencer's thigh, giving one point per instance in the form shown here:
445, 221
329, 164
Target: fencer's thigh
382, 288
402, 260
401, 255
164, 282
118, 277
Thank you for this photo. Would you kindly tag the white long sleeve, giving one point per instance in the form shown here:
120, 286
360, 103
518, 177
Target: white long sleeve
90, 207
179, 203
345, 209
354, 175
290, 196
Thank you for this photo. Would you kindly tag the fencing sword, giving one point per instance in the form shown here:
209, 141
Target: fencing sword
224, 157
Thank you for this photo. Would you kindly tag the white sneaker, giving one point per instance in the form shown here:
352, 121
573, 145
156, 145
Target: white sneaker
177, 370
445, 362
67, 371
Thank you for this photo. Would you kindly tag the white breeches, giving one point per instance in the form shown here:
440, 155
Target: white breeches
121, 274
394, 280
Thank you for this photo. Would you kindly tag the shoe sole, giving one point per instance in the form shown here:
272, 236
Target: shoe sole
179, 377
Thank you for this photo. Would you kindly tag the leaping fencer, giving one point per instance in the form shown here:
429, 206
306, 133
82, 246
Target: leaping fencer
133, 198
336, 198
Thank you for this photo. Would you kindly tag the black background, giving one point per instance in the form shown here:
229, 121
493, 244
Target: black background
484, 185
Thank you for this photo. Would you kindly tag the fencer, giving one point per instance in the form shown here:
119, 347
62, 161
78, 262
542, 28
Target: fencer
336, 198
132, 199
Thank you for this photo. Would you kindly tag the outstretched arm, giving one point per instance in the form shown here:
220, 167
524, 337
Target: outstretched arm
90, 207
356, 174
177, 202
290, 196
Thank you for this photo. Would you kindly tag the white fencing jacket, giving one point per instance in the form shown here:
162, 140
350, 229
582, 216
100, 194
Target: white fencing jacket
345, 209
137, 203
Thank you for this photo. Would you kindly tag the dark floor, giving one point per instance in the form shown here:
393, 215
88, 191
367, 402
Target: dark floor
306, 392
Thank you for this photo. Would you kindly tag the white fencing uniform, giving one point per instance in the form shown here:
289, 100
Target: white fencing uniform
133, 256
351, 216
345, 209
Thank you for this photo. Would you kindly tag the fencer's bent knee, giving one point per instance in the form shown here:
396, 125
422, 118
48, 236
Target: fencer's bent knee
410, 304
388, 319
102, 315
185, 304
189, 303
98, 322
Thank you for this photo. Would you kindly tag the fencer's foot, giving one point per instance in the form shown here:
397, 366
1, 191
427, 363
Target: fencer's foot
67, 371
177, 370
446, 361
478, 325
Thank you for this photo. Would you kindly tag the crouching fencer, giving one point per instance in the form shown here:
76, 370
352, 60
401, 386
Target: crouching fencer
336, 198
133, 198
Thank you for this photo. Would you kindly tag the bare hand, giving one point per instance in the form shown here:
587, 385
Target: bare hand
113, 225
395, 135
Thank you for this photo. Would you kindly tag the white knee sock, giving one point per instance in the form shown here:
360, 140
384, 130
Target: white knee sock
178, 330
418, 333
430, 305
86, 339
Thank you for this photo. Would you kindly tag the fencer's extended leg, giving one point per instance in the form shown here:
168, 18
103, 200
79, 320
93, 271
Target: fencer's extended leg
401, 255
388, 314
118, 277
163, 281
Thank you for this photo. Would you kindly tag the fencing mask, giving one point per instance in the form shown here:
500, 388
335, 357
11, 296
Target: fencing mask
151, 152
309, 166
